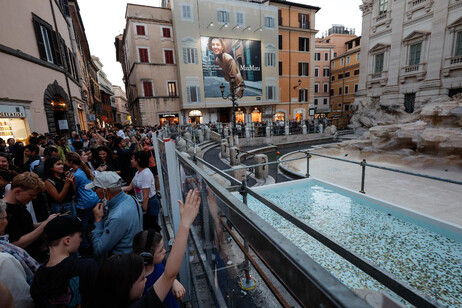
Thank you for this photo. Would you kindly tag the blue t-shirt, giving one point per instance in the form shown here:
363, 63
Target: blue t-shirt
169, 300
84, 199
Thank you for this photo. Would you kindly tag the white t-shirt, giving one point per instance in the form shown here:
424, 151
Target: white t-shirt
121, 134
144, 179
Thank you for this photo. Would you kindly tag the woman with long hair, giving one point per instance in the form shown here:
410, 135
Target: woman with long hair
86, 158
105, 160
59, 187
145, 189
85, 200
121, 278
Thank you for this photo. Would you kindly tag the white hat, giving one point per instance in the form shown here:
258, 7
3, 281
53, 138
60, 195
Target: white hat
106, 179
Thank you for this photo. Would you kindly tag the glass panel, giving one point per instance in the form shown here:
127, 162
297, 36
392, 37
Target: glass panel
378, 63
459, 44
414, 53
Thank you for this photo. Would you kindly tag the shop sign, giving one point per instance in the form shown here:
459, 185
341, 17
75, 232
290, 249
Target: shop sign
168, 115
12, 112
92, 117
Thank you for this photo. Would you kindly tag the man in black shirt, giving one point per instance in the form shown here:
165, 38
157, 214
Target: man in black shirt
21, 229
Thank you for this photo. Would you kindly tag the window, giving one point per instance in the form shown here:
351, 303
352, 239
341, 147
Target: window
166, 32
280, 68
383, 6
356, 88
326, 56
193, 94
347, 88
339, 105
46, 35
270, 59
342, 61
316, 88
348, 60
331, 92
414, 53
303, 44
143, 55
333, 64
316, 72
357, 72
147, 88
269, 22
280, 42
326, 88
340, 76
280, 17
333, 78
378, 65
303, 69
171, 87
350, 45
325, 101
315, 101
458, 51
190, 56
340, 90
347, 107
240, 19
347, 74
186, 12
47, 41
303, 19
325, 72
409, 101
140, 30
223, 16
303, 95
168, 57
357, 56
270, 92
317, 56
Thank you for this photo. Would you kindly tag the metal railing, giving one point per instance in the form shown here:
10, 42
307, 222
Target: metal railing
401, 288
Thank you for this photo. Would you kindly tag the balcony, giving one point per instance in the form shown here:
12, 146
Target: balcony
451, 64
415, 5
381, 20
416, 70
380, 77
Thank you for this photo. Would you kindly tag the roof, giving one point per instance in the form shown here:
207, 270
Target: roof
305, 6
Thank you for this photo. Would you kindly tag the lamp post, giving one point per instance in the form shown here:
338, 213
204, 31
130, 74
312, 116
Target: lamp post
233, 96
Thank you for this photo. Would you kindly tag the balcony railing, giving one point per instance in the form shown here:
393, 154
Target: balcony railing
414, 69
414, 3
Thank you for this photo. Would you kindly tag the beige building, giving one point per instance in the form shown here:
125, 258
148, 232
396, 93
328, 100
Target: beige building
323, 54
39, 83
244, 31
411, 52
120, 100
146, 51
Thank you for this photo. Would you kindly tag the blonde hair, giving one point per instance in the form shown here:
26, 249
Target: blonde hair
28, 180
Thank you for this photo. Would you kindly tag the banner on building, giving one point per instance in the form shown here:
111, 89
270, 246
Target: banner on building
223, 58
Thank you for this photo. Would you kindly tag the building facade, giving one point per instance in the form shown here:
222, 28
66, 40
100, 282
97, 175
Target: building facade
323, 54
39, 83
345, 70
296, 44
106, 111
219, 39
120, 100
412, 52
146, 51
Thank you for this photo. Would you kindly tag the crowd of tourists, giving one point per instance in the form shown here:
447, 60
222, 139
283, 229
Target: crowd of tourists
79, 222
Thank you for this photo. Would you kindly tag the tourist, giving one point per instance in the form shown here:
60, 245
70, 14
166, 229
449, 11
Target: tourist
145, 190
121, 278
64, 280
59, 187
150, 246
50, 151
62, 147
105, 160
114, 234
33, 159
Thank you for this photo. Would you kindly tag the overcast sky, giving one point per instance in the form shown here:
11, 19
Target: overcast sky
105, 19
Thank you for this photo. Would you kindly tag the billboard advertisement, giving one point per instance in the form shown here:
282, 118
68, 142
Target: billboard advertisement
222, 58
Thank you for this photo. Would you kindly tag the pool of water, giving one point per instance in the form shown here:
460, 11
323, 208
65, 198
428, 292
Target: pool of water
426, 255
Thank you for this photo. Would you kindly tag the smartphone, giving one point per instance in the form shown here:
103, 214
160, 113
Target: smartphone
71, 170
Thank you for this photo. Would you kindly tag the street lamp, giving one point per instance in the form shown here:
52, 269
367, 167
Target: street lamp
233, 96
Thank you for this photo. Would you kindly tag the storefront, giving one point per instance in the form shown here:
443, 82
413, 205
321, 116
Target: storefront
299, 115
279, 116
195, 117
168, 118
13, 123
240, 114
256, 114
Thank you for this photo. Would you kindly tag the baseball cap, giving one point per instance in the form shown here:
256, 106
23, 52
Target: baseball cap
105, 179
64, 225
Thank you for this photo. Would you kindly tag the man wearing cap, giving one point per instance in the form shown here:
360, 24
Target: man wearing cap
115, 229
64, 280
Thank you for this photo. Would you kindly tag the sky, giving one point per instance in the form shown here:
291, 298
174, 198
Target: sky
105, 19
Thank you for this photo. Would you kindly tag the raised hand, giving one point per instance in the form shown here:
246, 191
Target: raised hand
190, 208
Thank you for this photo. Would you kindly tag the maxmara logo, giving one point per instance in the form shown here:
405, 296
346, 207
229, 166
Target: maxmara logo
250, 68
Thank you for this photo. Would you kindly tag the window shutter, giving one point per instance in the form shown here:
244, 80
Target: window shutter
196, 56
55, 49
40, 43
307, 42
188, 94
300, 95
198, 93
300, 43
185, 56
300, 19
299, 69
280, 17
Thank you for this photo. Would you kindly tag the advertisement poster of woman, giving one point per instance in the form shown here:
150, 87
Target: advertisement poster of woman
223, 58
